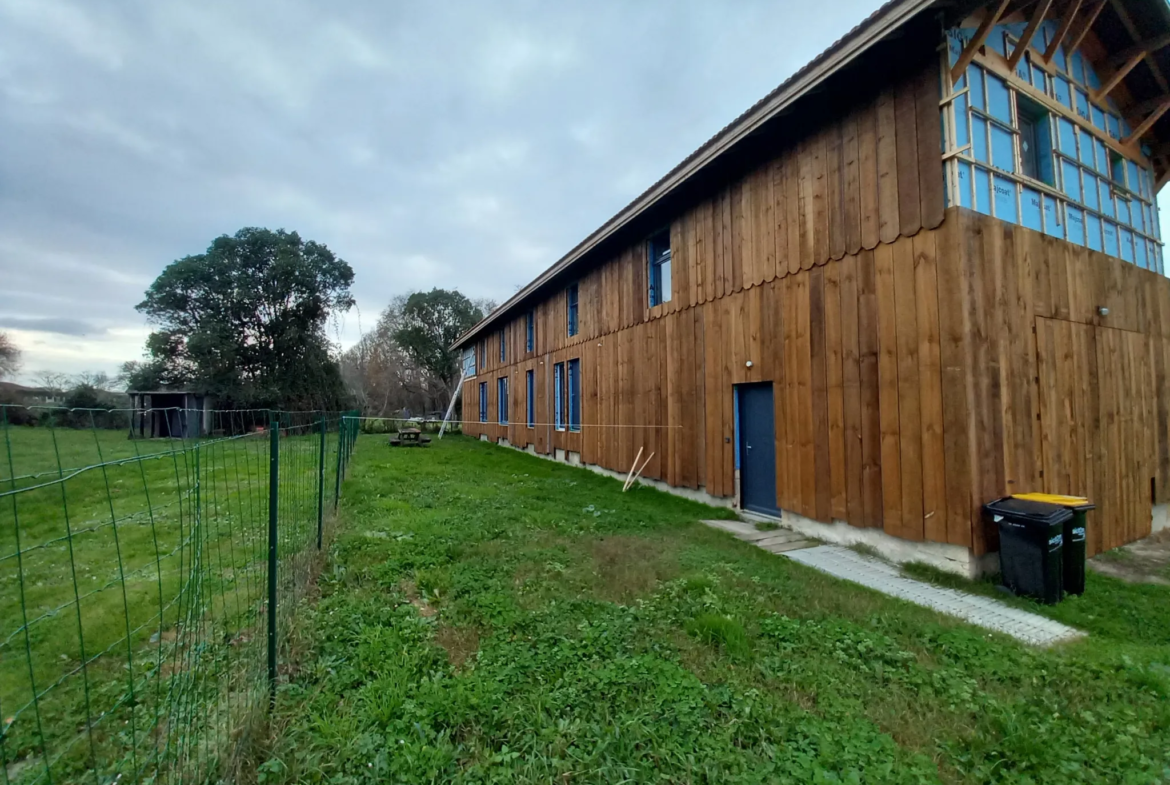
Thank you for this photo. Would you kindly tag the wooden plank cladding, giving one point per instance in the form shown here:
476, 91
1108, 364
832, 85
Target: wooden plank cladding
922, 362
912, 383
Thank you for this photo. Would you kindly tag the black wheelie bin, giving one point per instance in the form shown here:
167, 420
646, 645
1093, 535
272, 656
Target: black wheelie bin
1031, 539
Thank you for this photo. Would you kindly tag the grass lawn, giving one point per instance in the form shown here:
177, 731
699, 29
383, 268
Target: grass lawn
488, 616
126, 598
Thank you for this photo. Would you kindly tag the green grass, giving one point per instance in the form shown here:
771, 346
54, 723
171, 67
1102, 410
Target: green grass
133, 595
488, 616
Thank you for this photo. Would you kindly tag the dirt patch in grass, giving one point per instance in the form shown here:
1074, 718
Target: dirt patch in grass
1144, 561
628, 567
411, 591
460, 643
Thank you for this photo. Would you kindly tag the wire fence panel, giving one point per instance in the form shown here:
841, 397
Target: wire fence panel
146, 584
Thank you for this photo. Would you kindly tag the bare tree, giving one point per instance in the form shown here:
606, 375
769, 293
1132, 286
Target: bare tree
98, 380
9, 357
53, 382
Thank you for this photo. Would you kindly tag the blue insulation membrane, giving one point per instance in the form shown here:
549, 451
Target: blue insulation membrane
1102, 157
964, 184
1005, 199
1030, 209
982, 190
1003, 151
1112, 128
1082, 104
1107, 199
1070, 176
1052, 223
1091, 77
1110, 238
1039, 80
1085, 143
1076, 224
1126, 245
1131, 172
1093, 231
962, 134
1125, 129
977, 97
1098, 118
1091, 193
1068, 137
999, 103
955, 43
1063, 91
1077, 71
1122, 210
979, 139
1140, 253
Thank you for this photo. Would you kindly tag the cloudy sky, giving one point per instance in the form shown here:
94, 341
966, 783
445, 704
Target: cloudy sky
459, 144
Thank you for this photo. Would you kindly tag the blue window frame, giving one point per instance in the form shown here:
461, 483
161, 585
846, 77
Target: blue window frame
559, 396
571, 302
574, 395
483, 401
502, 399
503, 346
530, 331
530, 384
482, 355
658, 253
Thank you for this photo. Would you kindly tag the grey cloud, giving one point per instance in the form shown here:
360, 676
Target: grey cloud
61, 326
458, 144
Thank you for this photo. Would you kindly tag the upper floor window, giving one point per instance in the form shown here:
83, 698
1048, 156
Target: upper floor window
658, 251
571, 303
503, 346
482, 354
530, 331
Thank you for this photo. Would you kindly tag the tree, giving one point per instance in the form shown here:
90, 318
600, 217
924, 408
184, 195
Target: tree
9, 357
97, 380
53, 382
246, 321
431, 321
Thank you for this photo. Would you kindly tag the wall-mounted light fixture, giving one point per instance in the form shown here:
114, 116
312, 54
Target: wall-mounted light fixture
1102, 310
748, 363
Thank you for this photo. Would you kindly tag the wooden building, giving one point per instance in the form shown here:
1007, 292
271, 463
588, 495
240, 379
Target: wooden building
923, 273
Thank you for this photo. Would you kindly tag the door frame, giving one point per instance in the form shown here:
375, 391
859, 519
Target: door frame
737, 392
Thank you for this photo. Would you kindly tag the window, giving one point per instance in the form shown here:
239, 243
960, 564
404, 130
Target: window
574, 395
502, 399
571, 302
559, 396
482, 355
658, 251
530, 384
503, 345
483, 401
530, 330
1035, 141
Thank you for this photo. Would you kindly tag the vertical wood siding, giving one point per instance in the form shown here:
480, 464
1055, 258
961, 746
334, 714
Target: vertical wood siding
921, 367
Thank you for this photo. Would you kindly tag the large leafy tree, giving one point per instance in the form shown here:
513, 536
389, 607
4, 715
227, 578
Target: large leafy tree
428, 325
246, 320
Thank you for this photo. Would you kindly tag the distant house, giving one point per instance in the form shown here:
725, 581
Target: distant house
178, 414
29, 396
924, 272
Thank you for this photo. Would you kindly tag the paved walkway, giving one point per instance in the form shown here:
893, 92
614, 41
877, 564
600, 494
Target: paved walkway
887, 578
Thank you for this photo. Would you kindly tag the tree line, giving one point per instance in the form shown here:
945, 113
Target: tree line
246, 322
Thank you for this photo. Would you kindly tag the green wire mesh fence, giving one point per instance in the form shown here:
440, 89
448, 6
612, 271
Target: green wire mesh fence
146, 584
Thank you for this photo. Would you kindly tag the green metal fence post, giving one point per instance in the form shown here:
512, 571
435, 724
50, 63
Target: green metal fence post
340, 450
321, 484
273, 501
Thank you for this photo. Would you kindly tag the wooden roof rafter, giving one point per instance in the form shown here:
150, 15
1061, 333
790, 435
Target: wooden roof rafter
1148, 123
1070, 14
1078, 37
1030, 31
977, 42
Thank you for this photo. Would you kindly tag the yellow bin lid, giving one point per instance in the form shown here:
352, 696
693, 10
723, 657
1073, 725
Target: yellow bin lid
1055, 498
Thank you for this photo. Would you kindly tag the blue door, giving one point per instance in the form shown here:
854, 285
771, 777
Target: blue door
757, 448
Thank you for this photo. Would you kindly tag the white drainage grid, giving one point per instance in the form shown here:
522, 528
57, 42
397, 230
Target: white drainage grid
887, 579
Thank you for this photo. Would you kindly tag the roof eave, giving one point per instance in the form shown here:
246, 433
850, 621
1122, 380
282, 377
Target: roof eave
884, 21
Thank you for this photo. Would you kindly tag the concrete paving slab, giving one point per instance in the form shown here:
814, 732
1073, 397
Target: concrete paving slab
980, 611
790, 545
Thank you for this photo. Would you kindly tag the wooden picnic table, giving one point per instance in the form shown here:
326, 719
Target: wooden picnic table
408, 437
